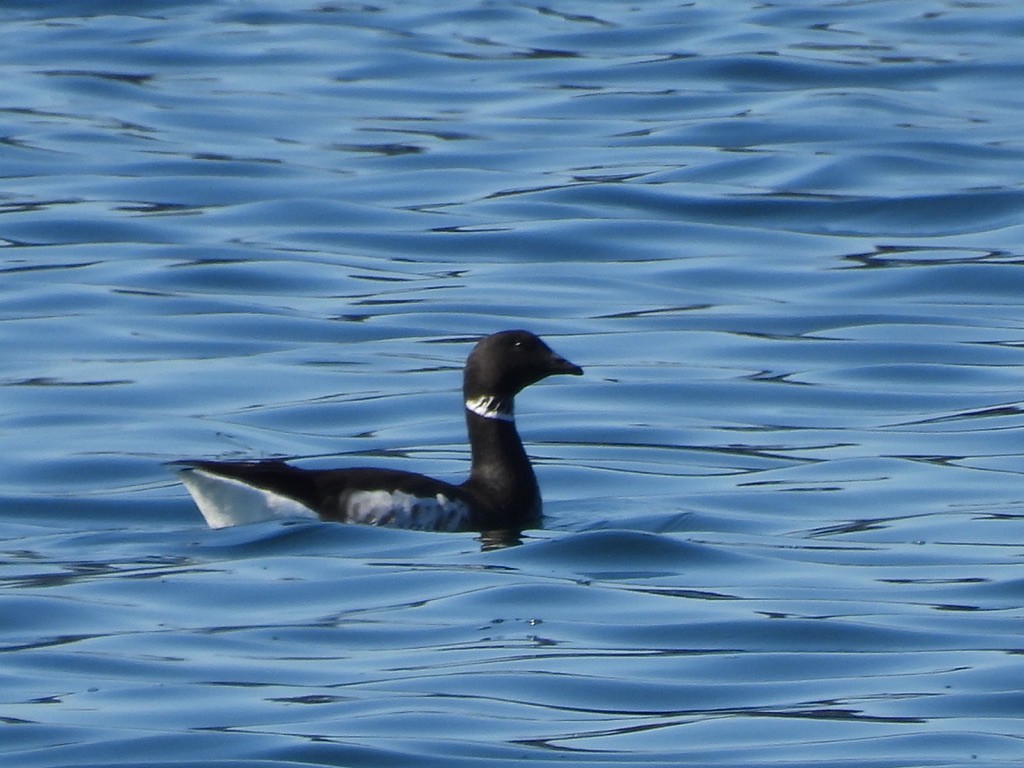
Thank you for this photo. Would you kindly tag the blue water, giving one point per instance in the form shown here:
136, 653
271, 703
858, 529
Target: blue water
784, 505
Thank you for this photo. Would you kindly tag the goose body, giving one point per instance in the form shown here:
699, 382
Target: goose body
501, 492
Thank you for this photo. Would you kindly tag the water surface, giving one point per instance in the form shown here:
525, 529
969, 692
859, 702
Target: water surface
783, 505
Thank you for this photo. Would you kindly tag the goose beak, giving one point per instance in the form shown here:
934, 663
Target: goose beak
558, 365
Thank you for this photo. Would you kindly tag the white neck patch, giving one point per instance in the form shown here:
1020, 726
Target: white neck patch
489, 407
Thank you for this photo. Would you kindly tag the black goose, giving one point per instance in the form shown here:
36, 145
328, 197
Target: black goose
500, 494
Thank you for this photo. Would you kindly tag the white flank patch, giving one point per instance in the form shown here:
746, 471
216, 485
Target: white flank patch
395, 509
225, 502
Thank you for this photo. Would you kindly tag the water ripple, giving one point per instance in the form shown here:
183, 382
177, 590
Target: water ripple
782, 506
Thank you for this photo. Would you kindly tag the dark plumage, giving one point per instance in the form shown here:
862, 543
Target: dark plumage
501, 492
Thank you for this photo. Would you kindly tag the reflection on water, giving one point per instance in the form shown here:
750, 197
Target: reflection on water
782, 513
491, 540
